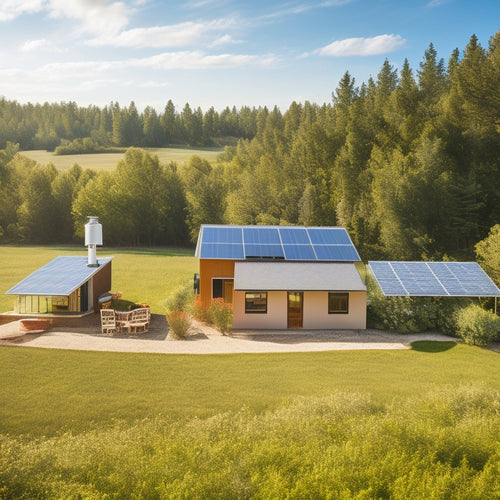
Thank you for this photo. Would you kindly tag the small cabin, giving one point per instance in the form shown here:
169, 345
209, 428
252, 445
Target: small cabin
283, 277
66, 285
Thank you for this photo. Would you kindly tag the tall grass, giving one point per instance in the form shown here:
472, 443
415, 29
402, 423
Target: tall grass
442, 445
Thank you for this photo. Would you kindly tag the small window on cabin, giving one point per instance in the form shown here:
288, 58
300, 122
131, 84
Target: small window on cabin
255, 302
223, 288
338, 303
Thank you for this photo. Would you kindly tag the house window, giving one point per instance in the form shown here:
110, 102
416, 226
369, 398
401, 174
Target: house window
338, 303
255, 302
223, 288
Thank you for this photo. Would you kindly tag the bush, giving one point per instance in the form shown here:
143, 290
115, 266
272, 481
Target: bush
476, 326
179, 323
220, 315
198, 311
181, 299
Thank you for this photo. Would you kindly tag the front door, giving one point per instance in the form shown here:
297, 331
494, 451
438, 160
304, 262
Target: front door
295, 309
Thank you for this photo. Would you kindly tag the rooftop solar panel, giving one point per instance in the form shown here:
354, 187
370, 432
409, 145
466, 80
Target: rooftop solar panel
329, 236
433, 279
299, 252
282, 242
336, 252
61, 276
218, 251
222, 234
296, 235
261, 235
253, 251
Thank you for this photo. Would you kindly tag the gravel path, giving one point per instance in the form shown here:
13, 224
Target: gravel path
206, 340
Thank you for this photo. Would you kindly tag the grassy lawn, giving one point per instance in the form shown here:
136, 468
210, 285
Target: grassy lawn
142, 275
47, 391
420, 423
108, 161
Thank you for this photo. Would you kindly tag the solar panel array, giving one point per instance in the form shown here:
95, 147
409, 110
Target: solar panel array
433, 279
61, 276
276, 242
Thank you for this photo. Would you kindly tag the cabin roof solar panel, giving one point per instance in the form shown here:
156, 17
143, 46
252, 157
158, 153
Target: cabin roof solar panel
433, 279
61, 276
295, 243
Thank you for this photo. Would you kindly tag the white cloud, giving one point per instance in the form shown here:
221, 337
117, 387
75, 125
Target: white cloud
96, 16
224, 40
362, 46
30, 45
93, 74
304, 7
176, 35
10, 9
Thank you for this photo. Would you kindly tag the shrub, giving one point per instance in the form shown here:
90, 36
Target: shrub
181, 299
179, 323
476, 326
197, 310
220, 315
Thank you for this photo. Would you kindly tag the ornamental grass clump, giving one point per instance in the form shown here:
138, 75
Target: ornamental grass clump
179, 323
220, 315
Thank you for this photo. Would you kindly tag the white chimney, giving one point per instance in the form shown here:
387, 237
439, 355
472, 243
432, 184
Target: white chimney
93, 237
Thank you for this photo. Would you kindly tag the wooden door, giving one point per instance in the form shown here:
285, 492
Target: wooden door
228, 291
295, 309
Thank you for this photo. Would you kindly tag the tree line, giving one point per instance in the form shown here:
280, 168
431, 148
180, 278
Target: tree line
67, 128
408, 162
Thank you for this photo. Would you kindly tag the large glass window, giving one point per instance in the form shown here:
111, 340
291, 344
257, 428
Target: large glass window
338, 303
255, 302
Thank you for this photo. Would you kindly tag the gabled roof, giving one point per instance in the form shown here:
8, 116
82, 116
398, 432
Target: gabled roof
295, 243
61, 276
433, 279
304, 276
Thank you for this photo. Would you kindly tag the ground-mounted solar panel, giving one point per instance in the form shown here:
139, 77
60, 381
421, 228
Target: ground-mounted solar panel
433, 279
387, 278
418, 279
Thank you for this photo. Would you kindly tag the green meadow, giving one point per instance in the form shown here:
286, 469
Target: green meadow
420, 423
108, 161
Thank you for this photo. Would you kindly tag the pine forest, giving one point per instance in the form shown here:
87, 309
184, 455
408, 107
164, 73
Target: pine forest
408, 162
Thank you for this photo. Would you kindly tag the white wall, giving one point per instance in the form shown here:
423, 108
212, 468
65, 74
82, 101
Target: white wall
315, 312
276, 316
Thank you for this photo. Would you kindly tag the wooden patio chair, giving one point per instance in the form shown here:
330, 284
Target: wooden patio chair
108, 321
139, 322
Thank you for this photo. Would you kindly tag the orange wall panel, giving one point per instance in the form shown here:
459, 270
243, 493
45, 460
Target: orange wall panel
213, 268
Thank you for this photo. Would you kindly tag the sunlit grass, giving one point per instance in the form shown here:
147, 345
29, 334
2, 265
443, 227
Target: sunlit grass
142, 275
108, 161
44, 391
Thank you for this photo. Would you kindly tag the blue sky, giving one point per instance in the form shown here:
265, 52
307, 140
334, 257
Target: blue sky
220, 52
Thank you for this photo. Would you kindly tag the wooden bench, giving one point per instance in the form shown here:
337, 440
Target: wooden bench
135, 321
